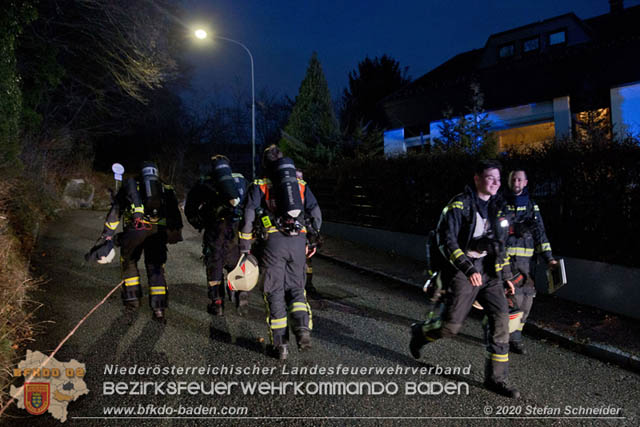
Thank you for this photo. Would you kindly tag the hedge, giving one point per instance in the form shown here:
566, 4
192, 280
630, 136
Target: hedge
589, 196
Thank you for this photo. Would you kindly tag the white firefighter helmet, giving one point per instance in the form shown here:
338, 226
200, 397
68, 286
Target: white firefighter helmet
245, 275
515, 314
515, 319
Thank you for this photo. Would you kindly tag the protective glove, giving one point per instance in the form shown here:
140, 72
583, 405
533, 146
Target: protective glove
310, 250
102, 252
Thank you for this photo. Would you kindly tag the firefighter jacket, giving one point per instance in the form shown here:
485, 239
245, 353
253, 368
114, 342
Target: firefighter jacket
260, 208
455, 234
526, 231
206, 206
128, 204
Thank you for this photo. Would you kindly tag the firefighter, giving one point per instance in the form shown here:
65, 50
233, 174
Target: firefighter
471, 234
215, 205
526, 236
279, 203
151, 219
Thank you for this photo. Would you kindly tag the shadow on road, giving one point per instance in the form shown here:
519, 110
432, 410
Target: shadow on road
219, 331
327, 330
141, 348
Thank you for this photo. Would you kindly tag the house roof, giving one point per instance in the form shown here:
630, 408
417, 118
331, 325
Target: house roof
585, 69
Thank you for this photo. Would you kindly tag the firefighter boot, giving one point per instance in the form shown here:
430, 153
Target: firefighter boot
517, 347
278, 351
216, 307
283, 351
515, 343
216, 295
303, 337
132, 305
417, 339
495, 377
432, 325
158, 315
242, 299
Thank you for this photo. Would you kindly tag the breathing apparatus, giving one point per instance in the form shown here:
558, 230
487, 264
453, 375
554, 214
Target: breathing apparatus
289, 206
225, 182
151, 190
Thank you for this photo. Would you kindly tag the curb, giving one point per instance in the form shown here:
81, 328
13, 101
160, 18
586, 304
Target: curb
368, 270
602, 352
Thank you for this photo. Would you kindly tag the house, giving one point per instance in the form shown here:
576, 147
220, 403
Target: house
543, 80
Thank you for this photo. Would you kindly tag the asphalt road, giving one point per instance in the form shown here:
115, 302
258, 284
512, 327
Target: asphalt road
359, 322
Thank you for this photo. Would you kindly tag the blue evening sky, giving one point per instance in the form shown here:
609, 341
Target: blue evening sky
283, 34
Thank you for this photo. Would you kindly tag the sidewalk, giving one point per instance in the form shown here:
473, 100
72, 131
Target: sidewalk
590, 331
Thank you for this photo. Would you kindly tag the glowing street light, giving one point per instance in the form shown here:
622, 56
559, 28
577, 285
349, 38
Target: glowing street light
202, 34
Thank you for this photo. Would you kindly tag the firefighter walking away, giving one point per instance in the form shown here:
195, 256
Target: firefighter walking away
215, 205
278, 203
151, 219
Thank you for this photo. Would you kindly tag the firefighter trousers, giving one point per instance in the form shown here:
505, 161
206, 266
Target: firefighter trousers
460, 296
153, 243
282, 263
524, 298
220, 251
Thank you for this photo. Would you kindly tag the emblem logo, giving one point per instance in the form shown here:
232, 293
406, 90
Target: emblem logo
36, 398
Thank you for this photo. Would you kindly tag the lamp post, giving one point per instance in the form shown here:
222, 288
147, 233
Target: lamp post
202, 34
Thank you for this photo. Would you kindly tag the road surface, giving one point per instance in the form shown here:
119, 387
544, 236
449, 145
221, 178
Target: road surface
201, 370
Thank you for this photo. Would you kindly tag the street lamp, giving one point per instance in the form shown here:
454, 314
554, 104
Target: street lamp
202, 34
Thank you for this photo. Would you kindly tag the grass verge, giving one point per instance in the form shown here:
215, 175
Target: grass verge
22, 208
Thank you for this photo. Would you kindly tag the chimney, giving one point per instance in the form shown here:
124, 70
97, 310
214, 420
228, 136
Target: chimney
616, 6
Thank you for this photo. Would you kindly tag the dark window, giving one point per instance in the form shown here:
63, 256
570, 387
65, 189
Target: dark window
558, 37
530, 45
506, 50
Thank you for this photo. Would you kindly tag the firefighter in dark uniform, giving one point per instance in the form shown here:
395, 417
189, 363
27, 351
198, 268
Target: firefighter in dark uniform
526, 236
471, 234
151, 219
279, 203
215, 205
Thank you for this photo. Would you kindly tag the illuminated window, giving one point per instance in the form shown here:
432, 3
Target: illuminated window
525, 138
558, 37
506, 50
530, 45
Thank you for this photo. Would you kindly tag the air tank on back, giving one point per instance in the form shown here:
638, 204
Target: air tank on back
151, 191
286, 187
222, 175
